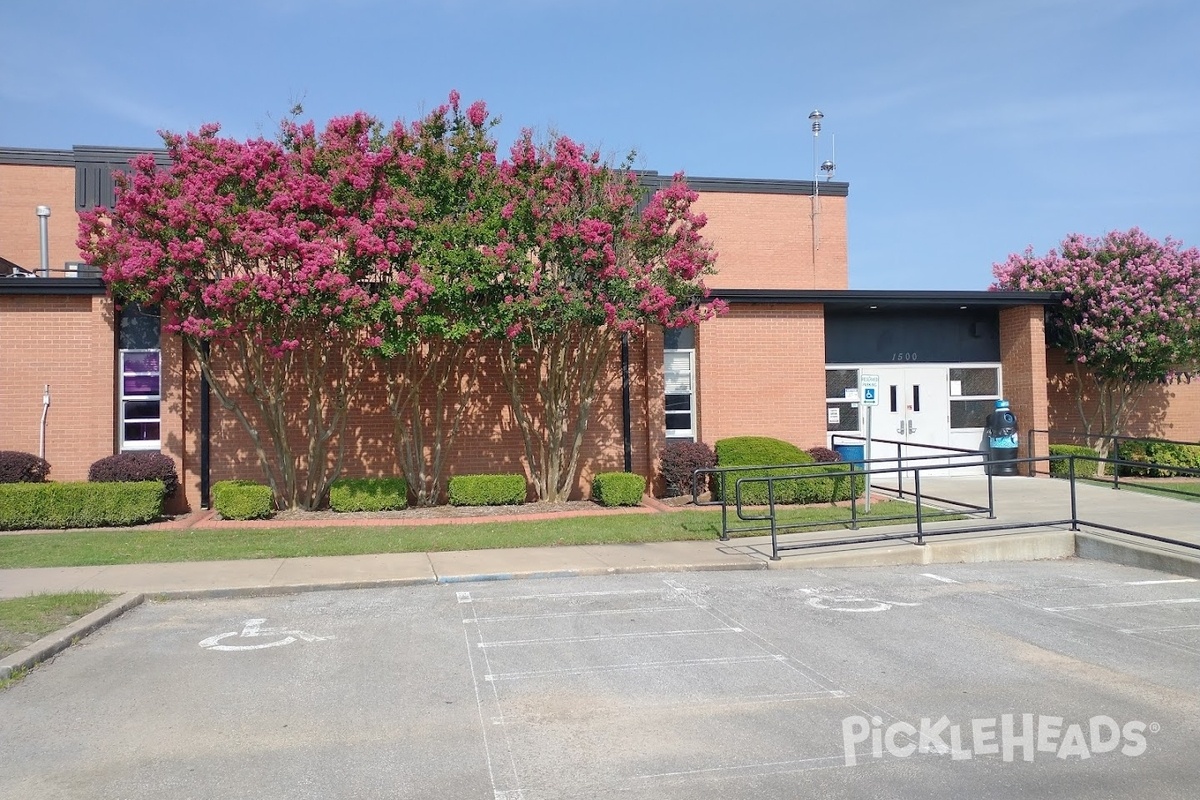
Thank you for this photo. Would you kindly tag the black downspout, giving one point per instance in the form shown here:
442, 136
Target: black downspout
625, 409
205, 435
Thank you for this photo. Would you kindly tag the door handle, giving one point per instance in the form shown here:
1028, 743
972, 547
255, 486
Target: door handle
900, 430
911, 428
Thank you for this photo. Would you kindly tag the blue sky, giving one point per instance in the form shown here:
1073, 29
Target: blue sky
967, 129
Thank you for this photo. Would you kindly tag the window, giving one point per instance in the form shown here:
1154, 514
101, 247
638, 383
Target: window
841, 400
973, 395
679, 382
139, 381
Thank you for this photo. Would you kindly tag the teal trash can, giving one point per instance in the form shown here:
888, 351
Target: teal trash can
852, 453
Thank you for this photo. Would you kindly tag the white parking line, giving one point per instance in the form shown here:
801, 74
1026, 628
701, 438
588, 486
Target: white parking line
610, 637
566, 595
938, 577
1155, 583
1130, 604
1160, 630
687, 662
596, 612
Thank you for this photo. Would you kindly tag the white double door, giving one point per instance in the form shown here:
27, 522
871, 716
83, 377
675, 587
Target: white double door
913, 416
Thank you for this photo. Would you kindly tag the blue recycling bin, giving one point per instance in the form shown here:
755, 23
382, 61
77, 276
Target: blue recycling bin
852, 453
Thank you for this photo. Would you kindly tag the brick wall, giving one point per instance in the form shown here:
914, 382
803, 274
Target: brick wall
65, 341
488, 442
1023, 361
761, 373
766, 241
22, 190
1164, 412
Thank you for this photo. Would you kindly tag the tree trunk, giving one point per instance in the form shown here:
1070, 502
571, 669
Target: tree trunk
436, 364
566, 371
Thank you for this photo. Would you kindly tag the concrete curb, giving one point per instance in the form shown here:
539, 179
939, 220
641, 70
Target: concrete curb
1158, 557
54, 643
275, 590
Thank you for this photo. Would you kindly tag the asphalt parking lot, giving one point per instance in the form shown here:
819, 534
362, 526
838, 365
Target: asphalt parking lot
1046, 679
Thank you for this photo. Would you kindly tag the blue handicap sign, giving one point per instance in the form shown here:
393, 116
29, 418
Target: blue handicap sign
869, 393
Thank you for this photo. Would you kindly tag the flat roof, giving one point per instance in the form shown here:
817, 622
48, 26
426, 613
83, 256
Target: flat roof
902, 299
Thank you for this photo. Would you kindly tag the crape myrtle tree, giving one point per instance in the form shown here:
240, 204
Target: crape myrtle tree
1129, 319
266, 256
581, 264
426, 351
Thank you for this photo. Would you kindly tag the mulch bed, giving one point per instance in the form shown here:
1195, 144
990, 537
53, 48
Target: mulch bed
443, 512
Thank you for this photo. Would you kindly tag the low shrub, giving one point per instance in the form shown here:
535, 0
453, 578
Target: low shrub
823, 455
679, 460
487, 490
242, 500
18, 467
1062, 468
78, 505
763, 451
1162, 454
618, 488
124, 467
368, 494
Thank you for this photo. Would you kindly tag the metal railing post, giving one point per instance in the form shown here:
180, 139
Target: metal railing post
991, 495
774, 526
1074, 502
724, 509
920, 521
900, 472
1032, 454
854, 497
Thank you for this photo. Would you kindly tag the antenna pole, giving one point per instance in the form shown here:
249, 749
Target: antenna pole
816, 116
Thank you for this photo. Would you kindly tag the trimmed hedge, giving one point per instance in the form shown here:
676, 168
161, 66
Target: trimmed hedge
1062, 469
78, 505
125, 467
679, 460
18, 467
242, 500
487, 490
618, 488
1152, 452
763, 451
368, 494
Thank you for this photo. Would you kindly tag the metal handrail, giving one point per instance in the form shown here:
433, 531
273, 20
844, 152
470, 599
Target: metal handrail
1075, 520
858, 469
1115, 438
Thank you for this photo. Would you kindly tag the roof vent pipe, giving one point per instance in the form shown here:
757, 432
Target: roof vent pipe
43, 213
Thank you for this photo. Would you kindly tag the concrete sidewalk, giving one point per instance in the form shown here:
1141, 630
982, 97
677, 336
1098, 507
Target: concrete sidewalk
1018, 500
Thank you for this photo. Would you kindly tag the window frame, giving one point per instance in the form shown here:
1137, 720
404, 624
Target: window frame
688, 434
137, 445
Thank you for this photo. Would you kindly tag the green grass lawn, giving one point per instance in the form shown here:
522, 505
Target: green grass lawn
139, 546
24, 620
1163, 487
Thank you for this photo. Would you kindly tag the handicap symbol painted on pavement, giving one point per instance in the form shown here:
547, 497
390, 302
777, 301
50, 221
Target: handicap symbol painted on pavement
253, 630
854, 604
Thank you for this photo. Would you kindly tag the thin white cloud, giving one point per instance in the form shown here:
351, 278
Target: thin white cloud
1077, 116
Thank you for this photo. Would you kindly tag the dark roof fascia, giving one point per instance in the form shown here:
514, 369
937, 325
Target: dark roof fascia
655, 180
51, 286
109, 155
34, 157
856, 299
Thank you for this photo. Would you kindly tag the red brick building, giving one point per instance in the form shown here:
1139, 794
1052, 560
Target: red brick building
784, 362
